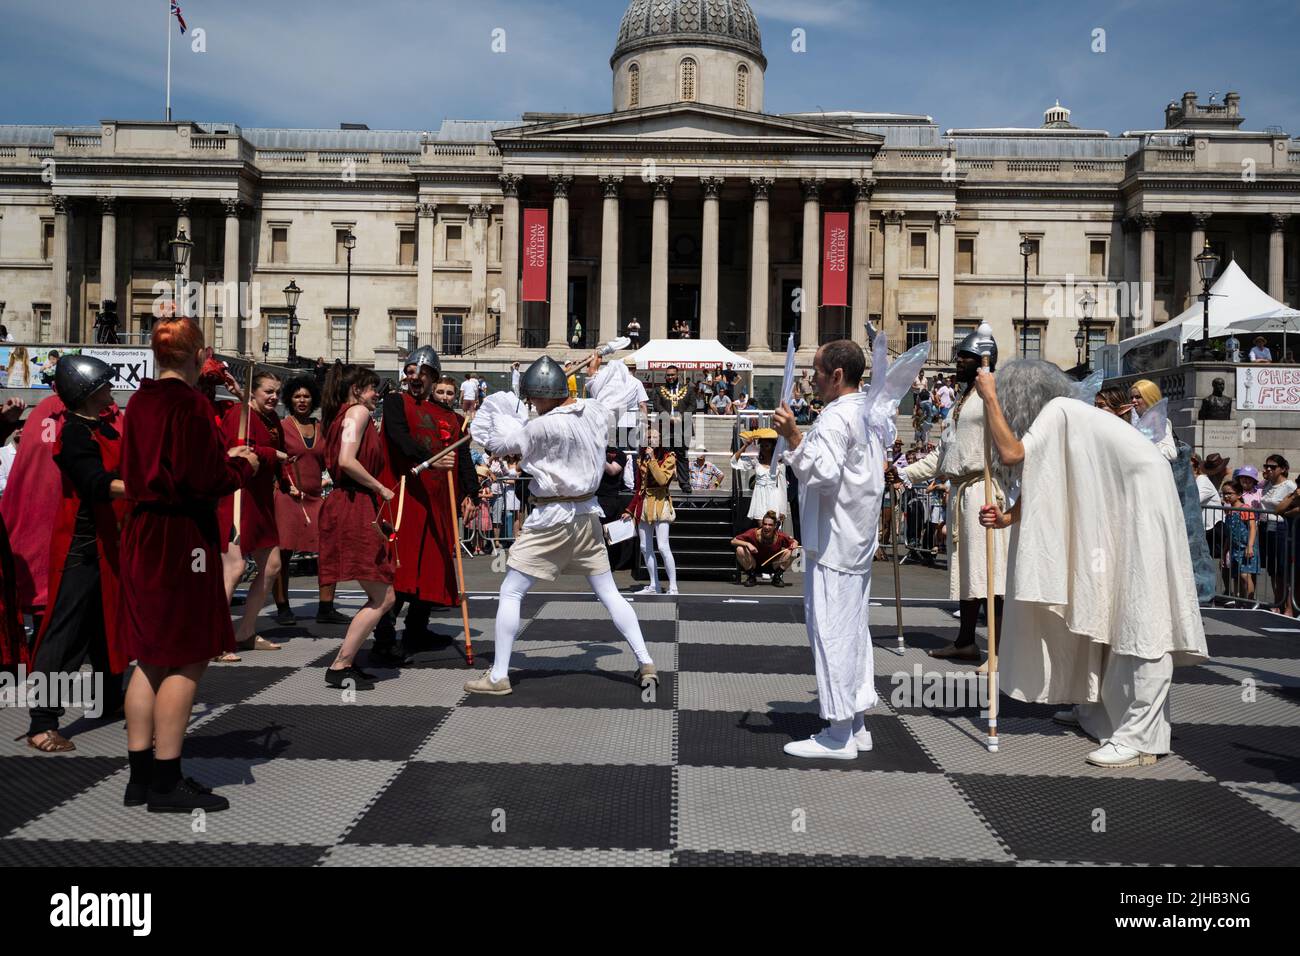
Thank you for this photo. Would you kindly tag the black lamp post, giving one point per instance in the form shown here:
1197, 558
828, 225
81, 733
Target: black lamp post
349, 243
266, 352
1082, 339
291, 294
1207, 264
181, 247
1026, 250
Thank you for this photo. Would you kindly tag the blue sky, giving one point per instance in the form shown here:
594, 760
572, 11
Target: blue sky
410, 63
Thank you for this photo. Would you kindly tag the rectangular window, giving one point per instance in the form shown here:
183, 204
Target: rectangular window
917, 251
280, 244
918, 331
47, 240
1097, 257
966, 256
1096, 339
404, 330
340, 247
41, 313
277, 335
501, 242
218, 331
455, 241
453, 326
339, 335
406, 250
1029, 342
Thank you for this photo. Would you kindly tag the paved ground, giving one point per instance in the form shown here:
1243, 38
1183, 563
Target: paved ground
577, 768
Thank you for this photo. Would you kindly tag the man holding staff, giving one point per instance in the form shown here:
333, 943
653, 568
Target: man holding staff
1102, 601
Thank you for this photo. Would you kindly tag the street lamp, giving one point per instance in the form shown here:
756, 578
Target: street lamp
181, 247
1207, 264
1026, 250
291, 294
349, 243
1081, 338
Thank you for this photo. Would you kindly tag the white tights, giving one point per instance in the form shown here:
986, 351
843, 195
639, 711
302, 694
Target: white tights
516, 585
648, 552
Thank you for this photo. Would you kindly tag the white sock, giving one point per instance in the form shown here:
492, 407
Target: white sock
648, 553
839, 731
622, 614
666, 553
513, 589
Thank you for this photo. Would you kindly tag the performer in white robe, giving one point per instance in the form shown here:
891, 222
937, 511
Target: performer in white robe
770, 493
840, 466
1102, 602
563, 450
959, 458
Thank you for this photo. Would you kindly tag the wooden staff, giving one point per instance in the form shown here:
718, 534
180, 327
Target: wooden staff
460, 570
898, 589
397, 525
426, 465
990, 571
775, 556
243, 440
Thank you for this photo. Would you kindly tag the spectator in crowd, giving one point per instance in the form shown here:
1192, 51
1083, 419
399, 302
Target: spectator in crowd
1289, 510
730, 376
634, 332
1216, 468
764, 547
802, 386
1232, 348
1261, 351
703, 393
652, 509
1248, 476
705, 476
720, 404
469, 396
944, 398
1276, 489
771, 493
815, 406
799, 405
1242, 557
741, 404
7, 454
1143, 394
1210, 498
576, 338
4, 334
938, 517
514, 378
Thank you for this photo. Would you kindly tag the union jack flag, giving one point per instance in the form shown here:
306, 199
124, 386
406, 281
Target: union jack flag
176, 12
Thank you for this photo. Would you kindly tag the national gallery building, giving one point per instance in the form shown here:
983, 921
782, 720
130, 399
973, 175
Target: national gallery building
686, 203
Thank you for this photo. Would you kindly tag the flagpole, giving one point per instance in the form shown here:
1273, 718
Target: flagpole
169, 60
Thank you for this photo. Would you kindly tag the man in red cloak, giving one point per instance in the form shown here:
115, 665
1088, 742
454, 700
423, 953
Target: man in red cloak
415, 428
13, 639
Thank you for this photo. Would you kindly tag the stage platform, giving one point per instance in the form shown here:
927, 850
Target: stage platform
576, 768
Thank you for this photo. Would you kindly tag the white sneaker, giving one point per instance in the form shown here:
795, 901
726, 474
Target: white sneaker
1069, 717
648, 589
823, 746
1116, 755
863, 739
672, 590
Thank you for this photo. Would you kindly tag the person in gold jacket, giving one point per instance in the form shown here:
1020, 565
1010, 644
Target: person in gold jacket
652, 510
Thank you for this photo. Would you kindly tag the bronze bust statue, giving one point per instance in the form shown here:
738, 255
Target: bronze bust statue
1216, 406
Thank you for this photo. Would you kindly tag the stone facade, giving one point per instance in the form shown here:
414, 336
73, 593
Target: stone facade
677, 209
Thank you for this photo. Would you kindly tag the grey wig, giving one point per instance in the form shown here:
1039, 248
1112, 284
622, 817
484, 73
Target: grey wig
1025, 386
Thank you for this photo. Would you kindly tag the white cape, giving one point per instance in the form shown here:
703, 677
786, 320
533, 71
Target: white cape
1099, 557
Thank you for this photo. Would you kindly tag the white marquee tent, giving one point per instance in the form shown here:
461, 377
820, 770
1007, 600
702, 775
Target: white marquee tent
689, 355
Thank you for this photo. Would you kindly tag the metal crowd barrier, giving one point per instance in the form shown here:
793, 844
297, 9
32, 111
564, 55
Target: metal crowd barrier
1268, 578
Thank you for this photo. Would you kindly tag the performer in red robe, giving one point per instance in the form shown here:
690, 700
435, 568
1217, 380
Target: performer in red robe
415, 428
258, 537
357, 520
83, 587
173, 615
13, 639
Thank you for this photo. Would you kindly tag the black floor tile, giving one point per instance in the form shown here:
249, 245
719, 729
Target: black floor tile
744, 659
575, 689
78, 853
233, 684
1233, 753
32, 786
553, 629
307, 732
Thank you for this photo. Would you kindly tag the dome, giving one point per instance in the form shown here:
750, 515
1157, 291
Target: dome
724, 23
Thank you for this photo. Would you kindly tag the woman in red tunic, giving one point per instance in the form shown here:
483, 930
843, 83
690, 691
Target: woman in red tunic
258, 537
357, 517
297, 517
172, 615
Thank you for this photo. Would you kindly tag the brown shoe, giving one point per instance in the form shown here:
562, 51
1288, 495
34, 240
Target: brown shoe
51, 742
646, 675
969, 652
486, 685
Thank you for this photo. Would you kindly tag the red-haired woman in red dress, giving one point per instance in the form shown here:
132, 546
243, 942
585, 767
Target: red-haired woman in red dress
354, 544
173, 616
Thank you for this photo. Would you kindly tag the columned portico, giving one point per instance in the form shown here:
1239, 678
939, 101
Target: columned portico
611, 187
861, 304
509, 259
1147, 273
426, 217
661, 187
759, 259
478, 214
59, 284
893, 219
808, 320
559, 316
107, 249
1276, 254
1200, 221
947, 268
709, 258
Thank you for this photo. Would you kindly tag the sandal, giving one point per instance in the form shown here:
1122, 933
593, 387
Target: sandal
229, 657
51, 742
257, 643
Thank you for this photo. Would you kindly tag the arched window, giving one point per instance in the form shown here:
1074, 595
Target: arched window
742, 87
688, 80
634, 86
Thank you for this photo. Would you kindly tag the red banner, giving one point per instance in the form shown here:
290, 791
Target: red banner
835, 259
537, 242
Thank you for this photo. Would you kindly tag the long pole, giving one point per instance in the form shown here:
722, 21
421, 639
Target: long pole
898, 591
1024, 320
347, 337
168, 6
990, 569
460, 571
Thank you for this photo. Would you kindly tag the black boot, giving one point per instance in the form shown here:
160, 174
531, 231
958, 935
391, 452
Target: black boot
284, 615
751, 579
137, 787
169, 792
348, 678
325, 614
778, 581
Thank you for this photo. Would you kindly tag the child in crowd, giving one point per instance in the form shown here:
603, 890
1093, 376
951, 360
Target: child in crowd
1242, 531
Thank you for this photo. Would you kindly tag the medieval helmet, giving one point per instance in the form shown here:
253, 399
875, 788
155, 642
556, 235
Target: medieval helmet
545, 378
77, 377
980, 343
424, 357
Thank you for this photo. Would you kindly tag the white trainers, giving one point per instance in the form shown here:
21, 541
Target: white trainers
1069, 717
484, 684
1116, 755
648, 589
823, 746
672, 590
863, 739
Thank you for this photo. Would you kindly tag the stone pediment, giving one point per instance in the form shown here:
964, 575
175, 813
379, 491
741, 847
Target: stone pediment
684, 123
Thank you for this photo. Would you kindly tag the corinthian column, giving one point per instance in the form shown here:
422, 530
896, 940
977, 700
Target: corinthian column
758, 266
559, 262
709, 258
611, 185
809, 331
659, 259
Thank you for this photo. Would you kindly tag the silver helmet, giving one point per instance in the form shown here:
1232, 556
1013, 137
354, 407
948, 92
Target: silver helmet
425, 357
980, 343
545, 378
77, 377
